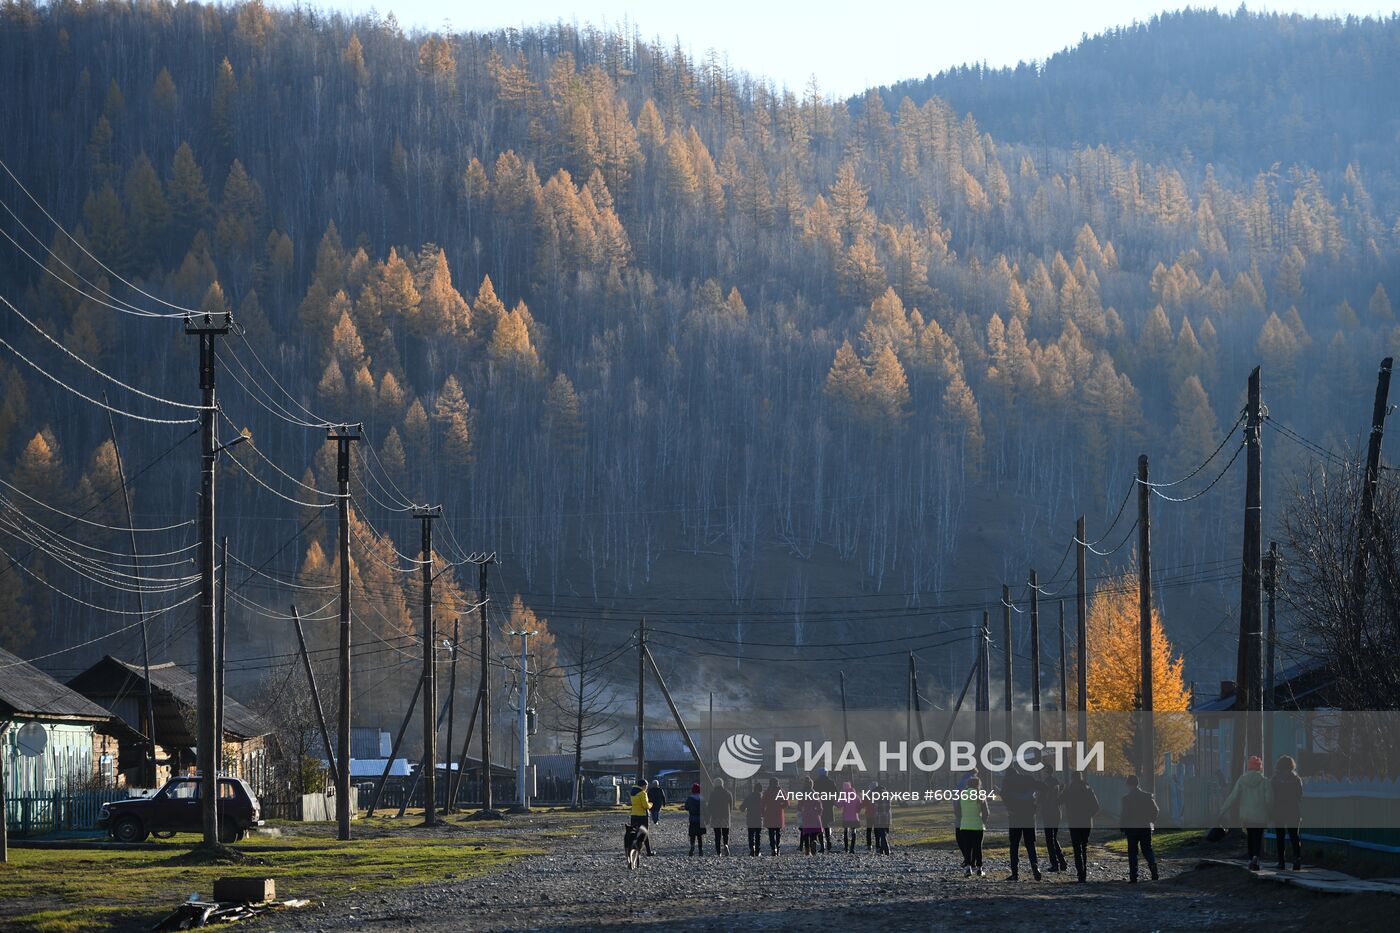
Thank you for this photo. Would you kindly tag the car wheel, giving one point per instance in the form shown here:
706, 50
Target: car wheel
229, 833
129, 829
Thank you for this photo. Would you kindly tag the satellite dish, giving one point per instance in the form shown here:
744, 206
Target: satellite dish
32, 739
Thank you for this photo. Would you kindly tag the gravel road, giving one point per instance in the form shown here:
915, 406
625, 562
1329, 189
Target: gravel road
583, 882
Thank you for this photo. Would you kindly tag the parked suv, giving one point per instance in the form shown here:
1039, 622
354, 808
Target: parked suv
175, 808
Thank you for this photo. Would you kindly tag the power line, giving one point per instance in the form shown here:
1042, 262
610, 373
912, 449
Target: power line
87, 398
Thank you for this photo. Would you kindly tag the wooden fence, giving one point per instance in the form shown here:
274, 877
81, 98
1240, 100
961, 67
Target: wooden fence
37, 814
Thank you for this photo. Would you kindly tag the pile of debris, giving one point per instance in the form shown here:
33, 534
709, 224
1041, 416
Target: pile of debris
234, 899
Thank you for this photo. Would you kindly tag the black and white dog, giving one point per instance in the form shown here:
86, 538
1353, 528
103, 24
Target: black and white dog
634, 840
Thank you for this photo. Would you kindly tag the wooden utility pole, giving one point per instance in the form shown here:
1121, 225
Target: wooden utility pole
315, 697
221, 657
1064, 676
207, 328
1147, 771
1271, 587
1035, 655
466, 744
4, 803
680, 723
1365, 524
1006, 655
845, 726
425, 515
984, 681
909, 719
1081, 608
1247, 674
344, 435
484, 697
150, 730
451, 712
641, 701
394, 750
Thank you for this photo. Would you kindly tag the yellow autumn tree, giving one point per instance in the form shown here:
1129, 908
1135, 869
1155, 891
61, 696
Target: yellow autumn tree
1114, 650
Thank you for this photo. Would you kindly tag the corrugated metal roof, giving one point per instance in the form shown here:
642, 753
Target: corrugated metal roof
27, 691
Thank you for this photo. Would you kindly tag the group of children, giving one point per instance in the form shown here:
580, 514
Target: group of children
767, 808
1029, 801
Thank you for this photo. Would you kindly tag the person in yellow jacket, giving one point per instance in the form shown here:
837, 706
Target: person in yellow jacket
640, 808
1255, 798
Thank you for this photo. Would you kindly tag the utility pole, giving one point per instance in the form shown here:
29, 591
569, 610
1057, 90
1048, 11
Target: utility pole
451, 712
1271, 587
1366, 519
909, 720
1247, 676
1006, 655
1147, 774
315, 696
484, 697
845, 726
1081, 607
984, 681
1064, 674
523, 719
150, 730
221, 655
1035, 655
641, 701
207, 327
344, 435
425, 515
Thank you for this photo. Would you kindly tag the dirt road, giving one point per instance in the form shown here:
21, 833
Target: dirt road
582, 882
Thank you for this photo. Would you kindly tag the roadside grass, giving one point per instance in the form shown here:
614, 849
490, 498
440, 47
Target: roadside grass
55, 890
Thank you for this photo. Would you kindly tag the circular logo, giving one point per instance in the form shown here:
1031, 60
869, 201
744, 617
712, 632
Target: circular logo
740, 756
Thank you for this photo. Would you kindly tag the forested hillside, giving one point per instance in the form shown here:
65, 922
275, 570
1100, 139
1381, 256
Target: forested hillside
1200, 86
670, 339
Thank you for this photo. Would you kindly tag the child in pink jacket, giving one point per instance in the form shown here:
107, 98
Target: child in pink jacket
850, 816
809, 813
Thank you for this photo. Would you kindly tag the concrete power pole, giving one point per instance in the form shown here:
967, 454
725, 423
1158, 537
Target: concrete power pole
344, 435
523, 719
484, 701
425, 515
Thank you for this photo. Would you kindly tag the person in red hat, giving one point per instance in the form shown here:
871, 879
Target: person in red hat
695, 806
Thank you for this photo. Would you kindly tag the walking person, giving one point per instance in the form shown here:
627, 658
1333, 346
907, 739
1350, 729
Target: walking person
850, 816
695, 806
809, 819
1288, 808
1138, 816
971, 814
721, 802
753, 818
1253, 794
640, 804
657, 796
1018, 793
1080, 804
773, 815
827, 788
1048, 801
881, 813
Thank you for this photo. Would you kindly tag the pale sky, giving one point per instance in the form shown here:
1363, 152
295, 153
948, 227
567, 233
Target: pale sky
848, 45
